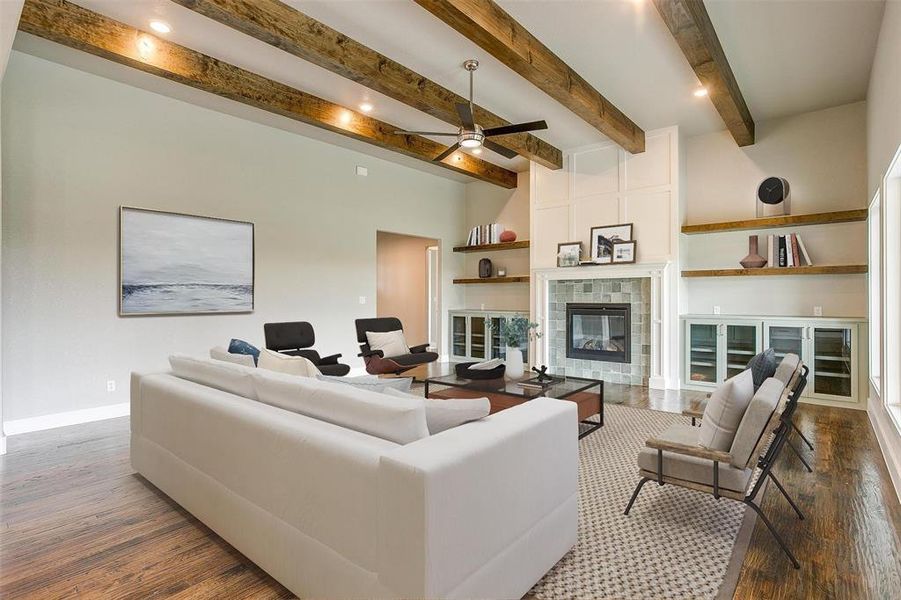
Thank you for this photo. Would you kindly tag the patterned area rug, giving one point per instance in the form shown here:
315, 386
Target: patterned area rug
675, 543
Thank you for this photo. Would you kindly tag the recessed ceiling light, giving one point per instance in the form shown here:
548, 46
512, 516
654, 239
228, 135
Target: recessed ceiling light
700, 92
145, 46
476, 150
345, 117
458, 158
160, 26
366, 107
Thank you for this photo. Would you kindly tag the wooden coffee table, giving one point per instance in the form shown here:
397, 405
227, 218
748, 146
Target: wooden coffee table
588, 394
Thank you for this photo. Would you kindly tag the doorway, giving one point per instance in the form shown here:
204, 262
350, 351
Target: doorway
408, 284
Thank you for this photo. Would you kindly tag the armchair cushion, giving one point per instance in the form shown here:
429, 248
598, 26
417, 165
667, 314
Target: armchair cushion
755, 420
391, 343
411, 360
786, 370
724, 411
692, 468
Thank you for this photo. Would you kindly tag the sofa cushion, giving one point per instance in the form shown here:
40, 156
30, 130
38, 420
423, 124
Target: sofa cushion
290, 365
218, 374
724, 411
392, 419
692, 468
371, 382
446, 414
762, 366
391, 343
220, 353
237, 346
755, 419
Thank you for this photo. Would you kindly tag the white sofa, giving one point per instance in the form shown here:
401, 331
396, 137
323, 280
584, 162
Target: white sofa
482, 510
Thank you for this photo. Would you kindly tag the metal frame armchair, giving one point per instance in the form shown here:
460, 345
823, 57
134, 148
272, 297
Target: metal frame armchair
376, 362
675, 458
296, 338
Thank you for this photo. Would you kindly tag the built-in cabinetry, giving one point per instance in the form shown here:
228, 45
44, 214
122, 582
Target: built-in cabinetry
476, 334
717, 348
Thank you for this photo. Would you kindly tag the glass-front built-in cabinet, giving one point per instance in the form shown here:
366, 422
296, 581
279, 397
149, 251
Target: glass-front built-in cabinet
720, 348
476, 335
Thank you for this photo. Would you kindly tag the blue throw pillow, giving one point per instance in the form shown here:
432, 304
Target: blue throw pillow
763, 366
237, 346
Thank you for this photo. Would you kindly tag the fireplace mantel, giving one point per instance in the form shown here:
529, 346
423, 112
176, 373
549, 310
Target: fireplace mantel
664, 311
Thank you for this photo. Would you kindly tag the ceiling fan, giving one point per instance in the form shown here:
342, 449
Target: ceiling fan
471, 135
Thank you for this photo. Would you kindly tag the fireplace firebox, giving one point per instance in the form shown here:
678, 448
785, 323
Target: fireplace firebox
599, 332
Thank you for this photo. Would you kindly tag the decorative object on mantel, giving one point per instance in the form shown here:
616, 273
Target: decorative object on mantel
485, 268
753, 260
773, 197
514, 332
508, 236
569, 254
602, 238
501, 272
624, 252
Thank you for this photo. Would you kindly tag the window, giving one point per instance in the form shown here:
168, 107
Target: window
874, 241
891, 289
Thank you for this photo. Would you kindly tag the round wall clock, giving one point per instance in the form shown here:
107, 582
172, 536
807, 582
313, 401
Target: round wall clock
773, 197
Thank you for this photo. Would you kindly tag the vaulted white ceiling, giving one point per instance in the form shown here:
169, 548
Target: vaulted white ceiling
788, 56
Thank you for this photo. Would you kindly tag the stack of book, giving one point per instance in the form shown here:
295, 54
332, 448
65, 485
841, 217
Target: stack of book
485, 234
787, 251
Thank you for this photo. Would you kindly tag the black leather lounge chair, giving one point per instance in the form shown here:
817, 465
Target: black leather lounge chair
296, 338
376, 363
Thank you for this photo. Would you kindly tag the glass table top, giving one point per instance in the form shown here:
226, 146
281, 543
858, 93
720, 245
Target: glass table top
527, 387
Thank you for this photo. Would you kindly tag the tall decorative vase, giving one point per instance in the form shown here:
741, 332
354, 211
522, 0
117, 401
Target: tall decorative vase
752, 260
514, 363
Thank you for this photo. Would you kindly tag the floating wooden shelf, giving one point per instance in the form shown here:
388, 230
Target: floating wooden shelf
842, 216
487, 247
767, 271
507, 279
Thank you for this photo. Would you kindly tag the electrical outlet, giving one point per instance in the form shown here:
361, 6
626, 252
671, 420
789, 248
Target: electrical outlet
716, 310
362, 299
111, 385
362, 171
818, 311
483, 307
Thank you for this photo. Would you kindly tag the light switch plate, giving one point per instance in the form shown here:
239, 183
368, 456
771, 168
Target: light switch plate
818, 311
362, 171
362, 299
111, 385
716, 310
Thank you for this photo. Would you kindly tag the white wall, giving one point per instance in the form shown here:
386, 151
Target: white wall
486, 203
76, 146
822, 154
883, 141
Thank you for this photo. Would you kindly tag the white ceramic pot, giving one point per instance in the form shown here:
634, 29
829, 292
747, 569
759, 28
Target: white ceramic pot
514, 363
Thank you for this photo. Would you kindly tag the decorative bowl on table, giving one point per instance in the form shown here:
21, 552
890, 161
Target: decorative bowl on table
463, 370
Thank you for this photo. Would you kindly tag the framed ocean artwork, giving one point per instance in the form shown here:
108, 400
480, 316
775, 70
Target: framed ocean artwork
179, 264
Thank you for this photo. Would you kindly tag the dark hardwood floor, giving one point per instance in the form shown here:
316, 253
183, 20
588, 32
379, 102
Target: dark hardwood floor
76, 522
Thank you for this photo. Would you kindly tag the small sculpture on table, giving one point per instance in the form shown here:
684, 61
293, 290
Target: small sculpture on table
543, 377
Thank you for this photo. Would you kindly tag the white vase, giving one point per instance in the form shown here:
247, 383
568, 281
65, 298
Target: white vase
514, 363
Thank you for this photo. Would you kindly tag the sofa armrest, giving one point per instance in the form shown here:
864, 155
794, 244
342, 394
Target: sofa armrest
419, 349
451, 503
687, 450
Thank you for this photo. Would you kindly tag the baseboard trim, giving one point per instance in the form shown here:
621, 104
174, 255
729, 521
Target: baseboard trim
885, 434
63, 419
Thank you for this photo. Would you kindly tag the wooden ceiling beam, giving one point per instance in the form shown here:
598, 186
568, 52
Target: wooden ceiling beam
691, 27
290, 30
491, 28
76, 27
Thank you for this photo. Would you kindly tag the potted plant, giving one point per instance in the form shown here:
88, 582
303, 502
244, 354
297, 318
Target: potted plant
514, 332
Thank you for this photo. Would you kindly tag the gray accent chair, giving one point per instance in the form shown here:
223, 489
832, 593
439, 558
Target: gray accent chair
676, 458
788, 372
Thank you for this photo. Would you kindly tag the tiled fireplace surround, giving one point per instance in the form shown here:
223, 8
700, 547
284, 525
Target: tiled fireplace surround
636, 292
648, 288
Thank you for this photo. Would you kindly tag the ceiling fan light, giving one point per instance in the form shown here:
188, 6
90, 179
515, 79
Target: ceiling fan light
471, 143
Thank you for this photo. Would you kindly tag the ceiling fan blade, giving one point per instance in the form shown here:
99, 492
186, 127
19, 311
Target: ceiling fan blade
425, 133
499, 149
518, 128
450, 150
465, 112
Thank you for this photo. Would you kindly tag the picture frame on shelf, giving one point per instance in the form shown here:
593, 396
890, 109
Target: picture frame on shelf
624, 252
603, 237
569, 254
